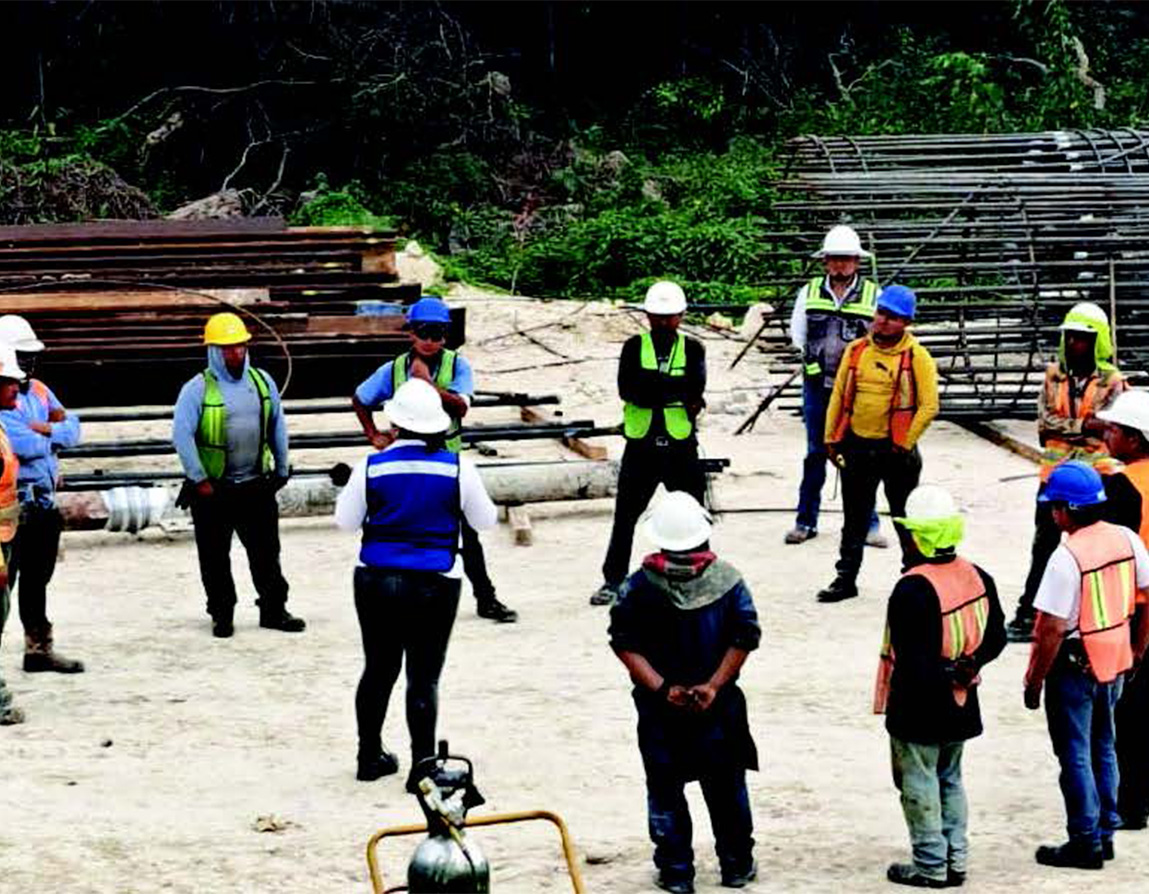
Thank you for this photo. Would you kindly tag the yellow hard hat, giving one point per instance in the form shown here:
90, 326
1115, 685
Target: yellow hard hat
225, 329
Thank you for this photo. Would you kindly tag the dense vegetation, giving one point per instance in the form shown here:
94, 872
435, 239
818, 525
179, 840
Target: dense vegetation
549, 148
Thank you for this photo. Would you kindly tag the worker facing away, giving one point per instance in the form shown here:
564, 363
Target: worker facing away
661, 378
1127, 439
830, 312
10, 378
943, 624
231, 437
885, 396
411, 500
38, 427
428, 322
683, 626
1083, 381
1083, 645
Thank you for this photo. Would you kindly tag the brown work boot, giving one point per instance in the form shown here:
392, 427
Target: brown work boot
39, 656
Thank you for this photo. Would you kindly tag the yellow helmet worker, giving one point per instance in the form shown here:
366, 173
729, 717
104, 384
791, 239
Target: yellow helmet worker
225, 329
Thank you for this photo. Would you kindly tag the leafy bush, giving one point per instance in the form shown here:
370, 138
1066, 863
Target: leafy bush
326, 207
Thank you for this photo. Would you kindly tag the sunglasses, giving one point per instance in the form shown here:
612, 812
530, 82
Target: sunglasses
430, 331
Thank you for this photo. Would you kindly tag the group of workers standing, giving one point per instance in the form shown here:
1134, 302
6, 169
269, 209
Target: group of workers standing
684, 623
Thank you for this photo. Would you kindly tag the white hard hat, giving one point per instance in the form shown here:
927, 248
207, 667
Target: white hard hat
1089, 311
664, 299
678, 522
9, 368
842, 240
930, 501
1131, 409
17, 332
417, 407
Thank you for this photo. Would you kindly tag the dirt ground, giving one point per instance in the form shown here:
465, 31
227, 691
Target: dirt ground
149, 772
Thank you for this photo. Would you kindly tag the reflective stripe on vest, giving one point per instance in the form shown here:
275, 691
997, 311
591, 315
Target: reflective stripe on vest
1138, 474
1108, 597
861, 305
413, 510
211, 438
40, 391
903, 401
1091, 450
636, 419
443, 379
9, 501
964, 607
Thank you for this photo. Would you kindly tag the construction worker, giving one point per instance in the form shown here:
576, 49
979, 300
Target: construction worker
885, 395
37, 427
1083, 381
943, 624
428, 322
231, 438
1127, 439
411, 500
10, 378
661, 377
1083, 645
683, 626
829, 313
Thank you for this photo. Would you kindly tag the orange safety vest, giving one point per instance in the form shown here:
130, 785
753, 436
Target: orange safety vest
1138, 474
903, 403
1108, 597
9, 502
40, 391
1088, 449
964, 607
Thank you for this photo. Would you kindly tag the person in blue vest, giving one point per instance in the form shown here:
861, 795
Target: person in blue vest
829, 313
428, 322
38, 427
231, 437
411, 499
661, 378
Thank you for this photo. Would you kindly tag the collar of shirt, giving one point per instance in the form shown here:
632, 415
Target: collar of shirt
847, 295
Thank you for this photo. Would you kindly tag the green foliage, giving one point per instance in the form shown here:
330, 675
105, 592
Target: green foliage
345, 207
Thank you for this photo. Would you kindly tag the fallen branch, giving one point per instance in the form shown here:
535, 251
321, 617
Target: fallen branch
1083, 75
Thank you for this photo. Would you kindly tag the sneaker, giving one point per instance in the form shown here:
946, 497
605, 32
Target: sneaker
1020, 629
675, 885
493, 610
838, 590
371, 768
282, 620
740, 879
1070, 855
800, 534
908, 874
877, 539
604, 595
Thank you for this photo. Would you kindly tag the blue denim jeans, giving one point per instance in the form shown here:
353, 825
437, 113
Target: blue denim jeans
815, 402
671, 829
933, 803
1079, 711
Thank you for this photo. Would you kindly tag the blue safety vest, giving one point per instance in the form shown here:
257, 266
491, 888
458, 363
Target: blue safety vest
413, 511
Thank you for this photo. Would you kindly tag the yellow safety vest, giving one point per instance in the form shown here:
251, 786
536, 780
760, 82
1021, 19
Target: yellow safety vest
211, 439
636, 419
443, 378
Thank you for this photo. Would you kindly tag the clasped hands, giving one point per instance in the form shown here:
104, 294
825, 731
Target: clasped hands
692, 698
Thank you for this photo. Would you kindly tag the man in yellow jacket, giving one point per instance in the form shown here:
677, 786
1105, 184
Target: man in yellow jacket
885, 395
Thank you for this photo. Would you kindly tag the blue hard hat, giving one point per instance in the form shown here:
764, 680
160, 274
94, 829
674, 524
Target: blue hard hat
1075, 483
429, 310
898, 300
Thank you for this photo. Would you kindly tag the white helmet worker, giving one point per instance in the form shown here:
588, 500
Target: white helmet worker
1130, 409
17, 332
9, 367
678, 522
1075, 320
417, 407
665, 299
928, 501
842, 241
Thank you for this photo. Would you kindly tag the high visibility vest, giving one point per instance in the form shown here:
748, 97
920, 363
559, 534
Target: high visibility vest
903, 401
211, 438
1085, 448
636, 420
443, 378
964, 606
1138, 474
1108, 597
858, 310
9, 501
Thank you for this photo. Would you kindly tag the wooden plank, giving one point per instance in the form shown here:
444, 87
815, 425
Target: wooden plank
520, 521
577, 445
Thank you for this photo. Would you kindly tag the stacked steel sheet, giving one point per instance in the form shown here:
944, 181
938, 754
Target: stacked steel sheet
999, 235
121, 304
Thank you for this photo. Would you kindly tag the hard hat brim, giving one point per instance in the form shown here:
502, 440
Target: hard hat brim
1074, 326
859, 253
227, 340
695, 537
432, 425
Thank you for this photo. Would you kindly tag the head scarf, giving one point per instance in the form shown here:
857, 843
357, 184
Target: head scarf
1102, 344
934, 534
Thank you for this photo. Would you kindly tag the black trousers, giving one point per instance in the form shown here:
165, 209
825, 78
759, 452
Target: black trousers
475, 565
250, 511
868, 463
34, 550
402, 615
1046, 537
645, 465
1133, 746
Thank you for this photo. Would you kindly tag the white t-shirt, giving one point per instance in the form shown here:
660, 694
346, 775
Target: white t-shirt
1059, 593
